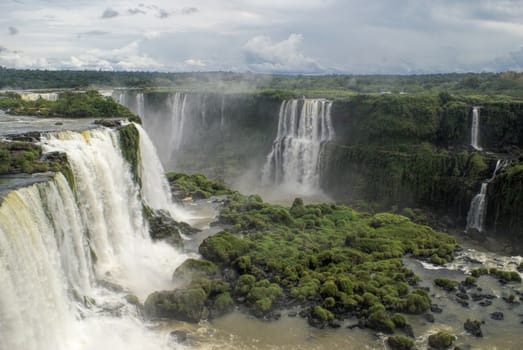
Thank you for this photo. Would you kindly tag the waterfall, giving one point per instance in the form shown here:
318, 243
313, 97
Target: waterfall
474, 130
155, 188
61, 251
478, 205
294, 160
178, 103
140, 105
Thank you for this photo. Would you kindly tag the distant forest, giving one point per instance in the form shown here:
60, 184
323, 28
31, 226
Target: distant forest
507, 83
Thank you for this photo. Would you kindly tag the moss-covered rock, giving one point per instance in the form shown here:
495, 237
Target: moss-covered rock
192, 269
181, 304
441, 340
129, 138
223, 248
163, 227
445, 283
398, 342
196, 186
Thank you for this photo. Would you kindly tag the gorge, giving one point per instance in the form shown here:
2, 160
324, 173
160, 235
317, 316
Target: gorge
91, 259
380, 152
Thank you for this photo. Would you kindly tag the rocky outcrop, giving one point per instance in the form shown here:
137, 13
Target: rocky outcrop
163, 227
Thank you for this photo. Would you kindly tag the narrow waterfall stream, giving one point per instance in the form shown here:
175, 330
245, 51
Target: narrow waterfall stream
478, 205
474, 130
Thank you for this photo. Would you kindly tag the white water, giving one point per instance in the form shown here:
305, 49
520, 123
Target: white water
140, 104
58, 247
294, 160
178, 103
474, 130
478, 205
155, 188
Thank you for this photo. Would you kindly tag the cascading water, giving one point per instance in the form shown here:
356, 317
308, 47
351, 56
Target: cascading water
178, 103
155, 188
294, 160
62, 251
474, 130
140, 104
478, 205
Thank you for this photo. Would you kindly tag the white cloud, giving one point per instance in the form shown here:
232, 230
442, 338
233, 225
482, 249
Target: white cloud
354, 36
17, 59
128, 57
264, 55
195, 63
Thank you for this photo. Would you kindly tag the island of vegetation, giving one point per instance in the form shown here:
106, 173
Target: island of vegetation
70, 104
327, 260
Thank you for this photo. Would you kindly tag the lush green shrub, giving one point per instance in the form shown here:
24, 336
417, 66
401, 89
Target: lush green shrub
446, 284
441, 340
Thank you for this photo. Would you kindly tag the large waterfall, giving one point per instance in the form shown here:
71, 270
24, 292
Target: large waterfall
68, 258
474, 130
478, 205
295, 156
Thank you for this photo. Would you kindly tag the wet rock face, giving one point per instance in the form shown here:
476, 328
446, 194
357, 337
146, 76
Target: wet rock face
163, 226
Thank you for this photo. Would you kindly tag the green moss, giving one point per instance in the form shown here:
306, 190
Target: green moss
479, 272
323, 255
398, 342
223, 302
470, 281
441, 340
417, 302
446, 284
505, 276
223, 248
129, 138
186, 304
195, 185
192, 269
322, 314
379, 320
399, 320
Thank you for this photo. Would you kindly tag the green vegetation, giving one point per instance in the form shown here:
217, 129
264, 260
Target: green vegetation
333, 261
445, 283
196, 186
505, 206
326, 257
504, 276
70, 104
441, 340
129, 138
398, 342
508, 83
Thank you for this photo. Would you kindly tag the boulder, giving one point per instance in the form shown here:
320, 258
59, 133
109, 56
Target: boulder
186, 304
473, 327
163, 227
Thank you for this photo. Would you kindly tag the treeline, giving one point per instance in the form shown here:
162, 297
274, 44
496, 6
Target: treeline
507, 83
70, 104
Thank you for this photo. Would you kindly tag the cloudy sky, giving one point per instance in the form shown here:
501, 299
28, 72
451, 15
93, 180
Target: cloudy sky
280, 36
